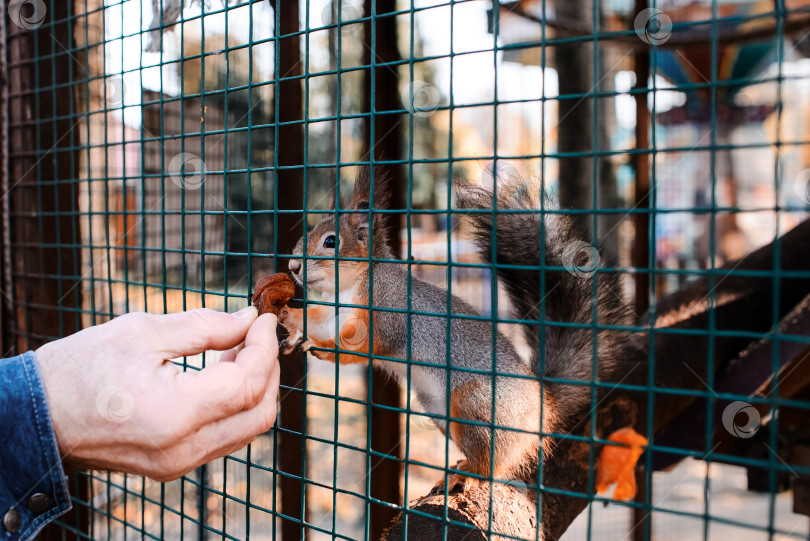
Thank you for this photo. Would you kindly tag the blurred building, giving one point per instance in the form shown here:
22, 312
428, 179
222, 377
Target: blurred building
183, 210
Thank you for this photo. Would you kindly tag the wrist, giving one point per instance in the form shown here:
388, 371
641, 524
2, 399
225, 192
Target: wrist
56, 399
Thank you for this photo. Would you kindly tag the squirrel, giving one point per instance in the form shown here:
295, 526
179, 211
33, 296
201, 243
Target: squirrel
520, 409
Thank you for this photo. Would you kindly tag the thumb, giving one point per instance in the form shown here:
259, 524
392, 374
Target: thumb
195, 331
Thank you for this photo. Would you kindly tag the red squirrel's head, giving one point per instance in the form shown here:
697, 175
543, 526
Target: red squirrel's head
345, 241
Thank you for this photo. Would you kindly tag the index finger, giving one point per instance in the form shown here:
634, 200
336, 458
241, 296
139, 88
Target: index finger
224, 389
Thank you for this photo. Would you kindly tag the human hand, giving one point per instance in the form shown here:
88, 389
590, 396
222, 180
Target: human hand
118, 404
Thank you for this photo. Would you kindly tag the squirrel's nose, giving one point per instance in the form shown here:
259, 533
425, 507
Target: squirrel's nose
295, 265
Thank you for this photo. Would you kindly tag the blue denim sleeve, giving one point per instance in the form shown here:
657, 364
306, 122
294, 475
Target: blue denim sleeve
33, 487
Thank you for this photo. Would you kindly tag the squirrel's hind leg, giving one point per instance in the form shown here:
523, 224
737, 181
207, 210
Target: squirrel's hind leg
516, 428
457, 479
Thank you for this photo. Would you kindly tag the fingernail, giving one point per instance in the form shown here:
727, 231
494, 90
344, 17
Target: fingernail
247, 313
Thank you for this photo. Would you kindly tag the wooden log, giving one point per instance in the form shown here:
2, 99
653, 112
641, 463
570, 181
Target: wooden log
468, 514
514, 512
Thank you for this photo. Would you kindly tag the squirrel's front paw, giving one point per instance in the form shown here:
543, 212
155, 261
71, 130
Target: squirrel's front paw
291, 344
286, 347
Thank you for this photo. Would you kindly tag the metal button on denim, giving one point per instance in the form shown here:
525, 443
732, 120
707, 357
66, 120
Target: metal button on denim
39, 503
12, 520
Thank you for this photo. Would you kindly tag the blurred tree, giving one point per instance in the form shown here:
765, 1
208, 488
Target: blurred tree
574, 64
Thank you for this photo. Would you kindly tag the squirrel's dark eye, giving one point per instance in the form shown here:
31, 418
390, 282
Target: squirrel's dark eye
329, 242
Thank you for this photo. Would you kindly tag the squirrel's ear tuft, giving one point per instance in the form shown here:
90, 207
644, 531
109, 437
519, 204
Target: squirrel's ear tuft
333, 198
362, 187
361, 199
333, 183
359, 220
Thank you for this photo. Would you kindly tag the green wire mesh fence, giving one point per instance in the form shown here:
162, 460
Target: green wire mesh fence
165, 155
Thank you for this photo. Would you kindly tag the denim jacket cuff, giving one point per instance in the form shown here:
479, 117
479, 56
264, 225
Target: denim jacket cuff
33, 486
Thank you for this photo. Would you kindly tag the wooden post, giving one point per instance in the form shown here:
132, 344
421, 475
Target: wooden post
385, 424
641, 164
5, 218
289, 93
641, 246
41, 220
574, 65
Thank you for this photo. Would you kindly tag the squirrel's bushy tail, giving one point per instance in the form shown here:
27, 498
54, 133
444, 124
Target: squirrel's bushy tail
523, 231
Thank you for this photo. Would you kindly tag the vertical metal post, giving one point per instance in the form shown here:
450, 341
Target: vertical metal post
383, 135
289, 179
